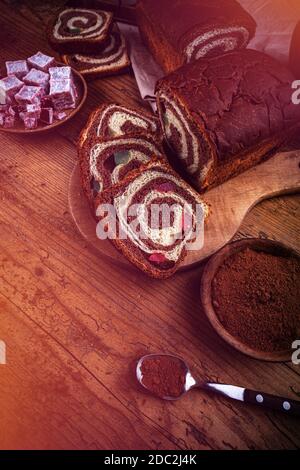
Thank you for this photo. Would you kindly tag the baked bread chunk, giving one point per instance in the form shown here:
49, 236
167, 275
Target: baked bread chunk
181, 31
154, 244
113, 120
78, 30
105, 162
112, 60
223, 115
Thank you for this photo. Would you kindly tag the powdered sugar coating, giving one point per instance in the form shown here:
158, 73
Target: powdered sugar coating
36, 77
29, 94
60, 73
19, 68
41, 61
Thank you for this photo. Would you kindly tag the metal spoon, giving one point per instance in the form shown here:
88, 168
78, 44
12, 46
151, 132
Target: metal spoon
234, 392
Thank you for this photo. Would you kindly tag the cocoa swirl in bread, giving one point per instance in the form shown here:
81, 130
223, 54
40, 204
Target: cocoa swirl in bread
76, 23
159, 244
105, 162
112, 59
113, 120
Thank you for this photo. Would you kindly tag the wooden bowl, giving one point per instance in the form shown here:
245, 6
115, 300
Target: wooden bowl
209, 273
82, 95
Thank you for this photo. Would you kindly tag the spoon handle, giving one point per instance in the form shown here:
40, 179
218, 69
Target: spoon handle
254, 397
273, 402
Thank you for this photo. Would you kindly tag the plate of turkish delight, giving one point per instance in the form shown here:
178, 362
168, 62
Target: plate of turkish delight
38, 93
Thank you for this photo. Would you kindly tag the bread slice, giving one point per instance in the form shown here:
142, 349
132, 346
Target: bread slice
105, 162
111, 60
155, 244
79, 30
114, 120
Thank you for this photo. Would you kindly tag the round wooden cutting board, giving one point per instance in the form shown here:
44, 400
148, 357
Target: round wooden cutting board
229, 204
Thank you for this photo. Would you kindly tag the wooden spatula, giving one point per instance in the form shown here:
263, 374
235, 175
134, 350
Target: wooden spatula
230, 202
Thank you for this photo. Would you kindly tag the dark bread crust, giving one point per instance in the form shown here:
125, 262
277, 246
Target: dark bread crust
240, 104
126, 247
89, 130
168, 25
79, 45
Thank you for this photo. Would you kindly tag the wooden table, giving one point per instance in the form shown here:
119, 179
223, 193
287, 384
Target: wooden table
74, 323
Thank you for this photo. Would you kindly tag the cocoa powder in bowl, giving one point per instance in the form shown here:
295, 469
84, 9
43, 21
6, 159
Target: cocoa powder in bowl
256, 296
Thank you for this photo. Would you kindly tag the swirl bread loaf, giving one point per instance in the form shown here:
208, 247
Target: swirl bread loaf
78, 30
180, 31
225, 114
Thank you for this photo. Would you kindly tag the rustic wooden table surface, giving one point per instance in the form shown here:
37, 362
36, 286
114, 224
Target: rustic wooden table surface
74, 323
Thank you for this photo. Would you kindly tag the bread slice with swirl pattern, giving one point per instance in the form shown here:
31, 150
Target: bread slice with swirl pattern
154, 242
79, 30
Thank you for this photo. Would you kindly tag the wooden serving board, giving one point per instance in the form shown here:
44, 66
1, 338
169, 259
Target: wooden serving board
229, 204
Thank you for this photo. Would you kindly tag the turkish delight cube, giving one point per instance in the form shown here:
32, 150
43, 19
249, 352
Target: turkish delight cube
9, 87
19, 68
37, 78
9, 121
30, 122
46, 101
60, 115
11, 111
47, 115
62, 94
41, 61
60, 73
29, 95
30, 110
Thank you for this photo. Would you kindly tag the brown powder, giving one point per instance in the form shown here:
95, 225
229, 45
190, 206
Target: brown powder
256, 296
164, 375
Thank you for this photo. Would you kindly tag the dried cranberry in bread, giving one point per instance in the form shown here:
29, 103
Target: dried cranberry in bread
225, 114
181, 31
105, 162
113, 120
81, 30
113, 59
155, 244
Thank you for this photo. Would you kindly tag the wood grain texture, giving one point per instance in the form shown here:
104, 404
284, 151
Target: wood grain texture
74, 323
